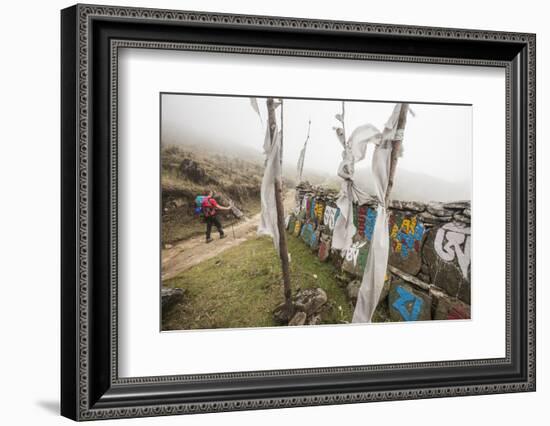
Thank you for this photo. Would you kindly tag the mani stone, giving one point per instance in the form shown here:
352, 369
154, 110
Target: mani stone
406, 304
355, 258
407, 233
451, 309
170, 296
297, 228
291, 222
307, 231
446, 272
324, 247
314, 240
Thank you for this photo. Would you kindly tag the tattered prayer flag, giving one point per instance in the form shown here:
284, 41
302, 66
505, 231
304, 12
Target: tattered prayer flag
268, 216
255, 107
377, 260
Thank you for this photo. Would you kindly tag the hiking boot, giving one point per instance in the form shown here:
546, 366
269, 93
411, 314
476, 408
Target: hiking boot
209, 240
222, 236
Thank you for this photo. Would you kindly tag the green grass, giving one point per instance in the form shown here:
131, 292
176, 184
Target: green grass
242, 286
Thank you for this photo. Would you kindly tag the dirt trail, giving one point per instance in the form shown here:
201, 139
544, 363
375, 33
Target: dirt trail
185, 254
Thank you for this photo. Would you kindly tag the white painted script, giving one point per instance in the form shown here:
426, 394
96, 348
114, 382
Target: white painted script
329, 217
454, 240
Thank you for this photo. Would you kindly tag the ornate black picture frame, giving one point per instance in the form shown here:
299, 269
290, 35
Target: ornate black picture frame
90, 38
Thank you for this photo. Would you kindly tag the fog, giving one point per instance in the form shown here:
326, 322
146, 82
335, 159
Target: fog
437, 160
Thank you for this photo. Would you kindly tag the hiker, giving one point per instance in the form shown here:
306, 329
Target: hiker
210, 209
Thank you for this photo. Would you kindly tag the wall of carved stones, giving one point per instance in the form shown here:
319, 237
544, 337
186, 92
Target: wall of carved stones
429, 267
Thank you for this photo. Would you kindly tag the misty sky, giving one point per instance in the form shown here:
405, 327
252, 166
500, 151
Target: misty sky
438, 140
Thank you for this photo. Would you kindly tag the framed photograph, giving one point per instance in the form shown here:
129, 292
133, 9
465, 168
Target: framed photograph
263, 212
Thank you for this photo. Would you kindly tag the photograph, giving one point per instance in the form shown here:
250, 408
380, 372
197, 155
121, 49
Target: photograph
273, 208
279, 211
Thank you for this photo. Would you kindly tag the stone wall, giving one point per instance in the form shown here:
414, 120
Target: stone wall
428, 276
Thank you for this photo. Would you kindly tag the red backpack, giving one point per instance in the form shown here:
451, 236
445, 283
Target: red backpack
207, 208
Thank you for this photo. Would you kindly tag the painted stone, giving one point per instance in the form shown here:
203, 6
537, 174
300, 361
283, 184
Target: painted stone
324, 247
311, 209
407, 233
291, 222
451, 309
370, 221
447, 254
297, 228
406, 304
329, 217
355, 258
319, 211
307, 231
355, 215
361, 219
365, 219
314, 240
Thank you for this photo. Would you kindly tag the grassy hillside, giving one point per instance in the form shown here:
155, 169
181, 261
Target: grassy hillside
241, 287
190, 171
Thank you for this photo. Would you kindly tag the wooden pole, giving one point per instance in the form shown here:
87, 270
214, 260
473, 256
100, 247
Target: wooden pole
283, 249
396, 147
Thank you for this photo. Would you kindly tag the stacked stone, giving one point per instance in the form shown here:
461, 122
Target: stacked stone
428, 268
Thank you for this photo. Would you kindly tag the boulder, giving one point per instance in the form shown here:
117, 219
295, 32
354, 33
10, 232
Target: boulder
447, 254
191, 170
307, 232
310, 300
407, 234
314, 240
306, 305
406, 304
314, 320
171, 296
352, 290
324, 247
355, 258
447, 308
298, 319
291, 223
297, 228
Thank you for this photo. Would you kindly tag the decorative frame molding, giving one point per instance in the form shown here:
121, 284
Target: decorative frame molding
91, 388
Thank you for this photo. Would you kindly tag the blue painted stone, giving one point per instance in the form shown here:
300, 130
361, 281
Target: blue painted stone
406, 304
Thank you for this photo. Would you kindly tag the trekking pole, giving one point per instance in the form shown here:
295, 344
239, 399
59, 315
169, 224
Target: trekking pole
233, 229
